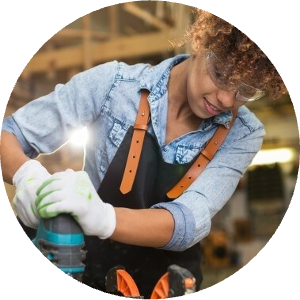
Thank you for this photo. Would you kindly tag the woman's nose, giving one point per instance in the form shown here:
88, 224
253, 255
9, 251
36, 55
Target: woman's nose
226, 98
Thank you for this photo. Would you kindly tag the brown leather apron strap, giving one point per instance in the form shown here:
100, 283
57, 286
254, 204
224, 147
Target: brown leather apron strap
140, 127
203, 159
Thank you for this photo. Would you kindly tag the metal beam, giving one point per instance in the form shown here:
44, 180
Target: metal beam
68, 33
145, 16
86, 27
119, 48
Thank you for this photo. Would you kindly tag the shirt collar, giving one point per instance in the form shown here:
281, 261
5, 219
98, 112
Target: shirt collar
222, 119
155, 78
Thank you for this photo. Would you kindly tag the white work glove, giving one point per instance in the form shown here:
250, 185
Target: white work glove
27, 179
73, 192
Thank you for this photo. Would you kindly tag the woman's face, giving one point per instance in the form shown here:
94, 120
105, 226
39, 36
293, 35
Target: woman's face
204, 97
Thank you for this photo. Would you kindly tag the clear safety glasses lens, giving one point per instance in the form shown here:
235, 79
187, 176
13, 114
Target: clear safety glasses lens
216, 71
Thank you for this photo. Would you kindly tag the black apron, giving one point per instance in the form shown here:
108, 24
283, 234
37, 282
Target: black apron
153, 180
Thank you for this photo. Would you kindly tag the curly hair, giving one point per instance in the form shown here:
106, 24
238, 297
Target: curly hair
243, 59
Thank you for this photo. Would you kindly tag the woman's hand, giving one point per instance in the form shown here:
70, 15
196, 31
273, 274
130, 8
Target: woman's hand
27, 180
73, 192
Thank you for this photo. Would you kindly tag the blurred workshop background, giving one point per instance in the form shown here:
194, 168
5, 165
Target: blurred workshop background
141, 32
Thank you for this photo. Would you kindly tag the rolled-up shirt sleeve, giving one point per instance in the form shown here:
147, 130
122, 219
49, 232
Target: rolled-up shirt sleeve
194, 209
45, 124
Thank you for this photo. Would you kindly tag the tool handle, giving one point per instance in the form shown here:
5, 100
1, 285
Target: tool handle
61, 240
62, 224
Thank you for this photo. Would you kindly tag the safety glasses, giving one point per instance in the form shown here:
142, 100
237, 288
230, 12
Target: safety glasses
217, 73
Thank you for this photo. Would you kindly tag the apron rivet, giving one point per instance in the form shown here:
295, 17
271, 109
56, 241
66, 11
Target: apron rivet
216, 142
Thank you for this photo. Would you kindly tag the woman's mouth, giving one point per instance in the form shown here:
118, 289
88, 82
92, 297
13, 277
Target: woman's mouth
211, 109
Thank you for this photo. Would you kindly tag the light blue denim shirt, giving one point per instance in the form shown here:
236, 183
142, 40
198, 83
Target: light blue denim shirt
105, 99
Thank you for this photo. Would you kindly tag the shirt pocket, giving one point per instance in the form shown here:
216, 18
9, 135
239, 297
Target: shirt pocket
186, 153
117, 132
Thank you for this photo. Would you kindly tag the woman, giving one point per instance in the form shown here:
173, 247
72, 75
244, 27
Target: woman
152, 182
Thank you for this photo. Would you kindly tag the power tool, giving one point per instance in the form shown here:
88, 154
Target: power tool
61, 240
177, 281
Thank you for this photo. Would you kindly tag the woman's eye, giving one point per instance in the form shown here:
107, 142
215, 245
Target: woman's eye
218, 74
